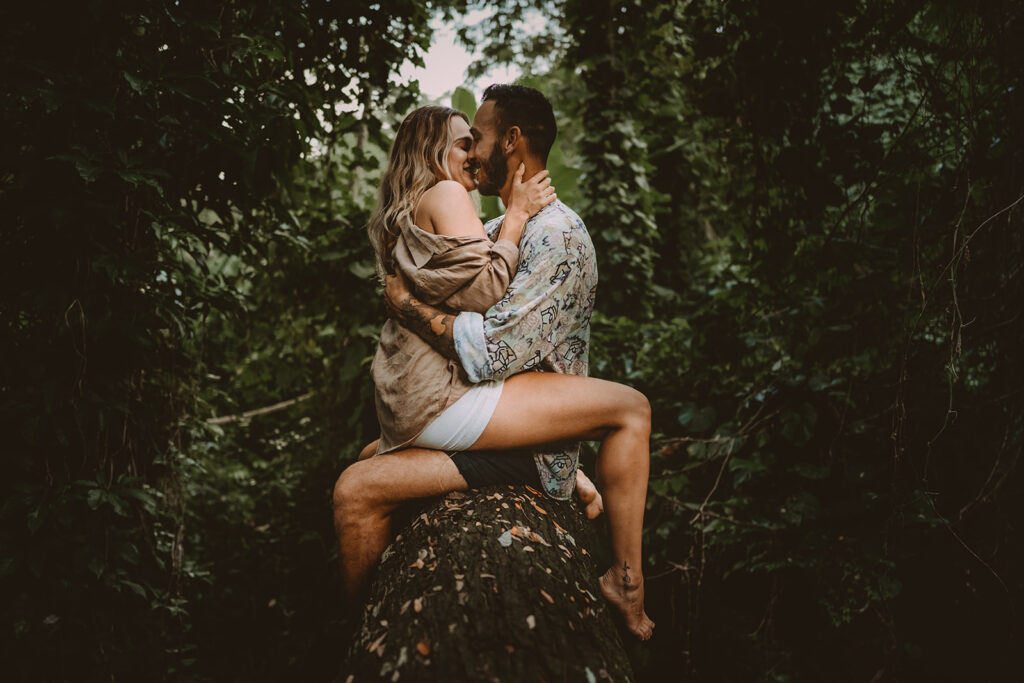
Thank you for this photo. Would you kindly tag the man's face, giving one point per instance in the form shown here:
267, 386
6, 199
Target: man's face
486, 151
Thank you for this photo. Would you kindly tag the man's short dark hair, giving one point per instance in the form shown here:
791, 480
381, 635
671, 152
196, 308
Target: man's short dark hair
518, 105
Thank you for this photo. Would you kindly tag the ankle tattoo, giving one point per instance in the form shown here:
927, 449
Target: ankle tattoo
625, 573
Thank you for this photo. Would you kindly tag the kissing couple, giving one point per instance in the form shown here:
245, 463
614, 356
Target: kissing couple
485, 349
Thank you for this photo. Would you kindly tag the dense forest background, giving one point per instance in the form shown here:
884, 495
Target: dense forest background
808, 218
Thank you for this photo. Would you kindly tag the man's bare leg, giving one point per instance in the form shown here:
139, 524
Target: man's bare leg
368, 450
368, 492
586, 490
362, 537
590, 497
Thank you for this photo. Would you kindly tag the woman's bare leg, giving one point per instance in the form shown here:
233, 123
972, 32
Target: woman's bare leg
541, 407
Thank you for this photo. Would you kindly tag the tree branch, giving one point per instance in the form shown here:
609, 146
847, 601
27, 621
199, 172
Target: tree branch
227, 419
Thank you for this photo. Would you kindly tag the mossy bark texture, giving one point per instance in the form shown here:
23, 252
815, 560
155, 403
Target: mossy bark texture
495, 584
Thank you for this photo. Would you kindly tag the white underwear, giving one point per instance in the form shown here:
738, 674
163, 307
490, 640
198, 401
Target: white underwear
462, 423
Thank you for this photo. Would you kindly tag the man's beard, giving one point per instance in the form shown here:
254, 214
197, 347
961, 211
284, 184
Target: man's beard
493, 172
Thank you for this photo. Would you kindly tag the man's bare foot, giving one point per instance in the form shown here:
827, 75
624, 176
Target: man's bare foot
590, 497
368, 451
624, 588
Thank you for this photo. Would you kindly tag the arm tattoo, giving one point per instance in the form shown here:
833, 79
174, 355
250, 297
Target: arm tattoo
431, 325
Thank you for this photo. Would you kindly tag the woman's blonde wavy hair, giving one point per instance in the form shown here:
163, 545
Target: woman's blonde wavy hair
418, 160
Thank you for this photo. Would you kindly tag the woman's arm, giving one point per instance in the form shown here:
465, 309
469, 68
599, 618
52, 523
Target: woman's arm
526, 199
473, 275
557, 293
446, 208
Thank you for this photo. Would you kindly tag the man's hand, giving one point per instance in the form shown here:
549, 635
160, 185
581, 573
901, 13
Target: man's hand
396, 293
431, 325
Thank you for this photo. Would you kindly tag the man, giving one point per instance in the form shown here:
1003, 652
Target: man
553, 290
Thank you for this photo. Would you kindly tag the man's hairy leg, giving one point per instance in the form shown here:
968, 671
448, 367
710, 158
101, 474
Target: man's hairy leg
369, 491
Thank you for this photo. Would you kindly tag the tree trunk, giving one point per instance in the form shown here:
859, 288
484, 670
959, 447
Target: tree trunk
496, 584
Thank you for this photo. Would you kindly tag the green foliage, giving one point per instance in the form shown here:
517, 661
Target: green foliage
161, 202
818, 177
614, 153
831, 284
808, 223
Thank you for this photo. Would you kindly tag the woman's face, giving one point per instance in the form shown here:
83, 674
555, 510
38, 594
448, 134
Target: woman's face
463, 172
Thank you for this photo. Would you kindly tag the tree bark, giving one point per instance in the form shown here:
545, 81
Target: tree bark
496, 584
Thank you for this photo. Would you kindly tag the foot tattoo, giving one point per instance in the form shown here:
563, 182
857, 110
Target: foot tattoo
626, 595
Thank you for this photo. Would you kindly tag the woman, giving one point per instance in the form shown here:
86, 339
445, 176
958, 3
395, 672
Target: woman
427, 228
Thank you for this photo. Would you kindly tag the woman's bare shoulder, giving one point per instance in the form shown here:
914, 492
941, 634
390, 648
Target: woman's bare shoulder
443, 192
449, 211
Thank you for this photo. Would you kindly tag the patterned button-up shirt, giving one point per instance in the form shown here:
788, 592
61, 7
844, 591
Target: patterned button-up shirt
542, 322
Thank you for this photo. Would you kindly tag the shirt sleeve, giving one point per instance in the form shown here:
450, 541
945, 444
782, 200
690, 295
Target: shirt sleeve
460, 274
489, 283
517, 332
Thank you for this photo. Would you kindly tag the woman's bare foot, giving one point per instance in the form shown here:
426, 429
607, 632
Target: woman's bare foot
624, 588
590, 497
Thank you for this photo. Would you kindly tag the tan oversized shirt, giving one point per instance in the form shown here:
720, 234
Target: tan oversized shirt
413, 382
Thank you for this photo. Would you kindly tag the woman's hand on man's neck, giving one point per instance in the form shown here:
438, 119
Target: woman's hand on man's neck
533, 166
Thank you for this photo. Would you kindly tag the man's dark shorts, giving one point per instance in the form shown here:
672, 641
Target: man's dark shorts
487, 468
